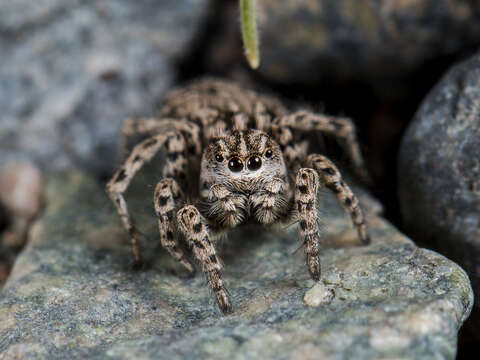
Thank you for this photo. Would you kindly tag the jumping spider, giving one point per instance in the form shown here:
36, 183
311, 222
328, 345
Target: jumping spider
254, 168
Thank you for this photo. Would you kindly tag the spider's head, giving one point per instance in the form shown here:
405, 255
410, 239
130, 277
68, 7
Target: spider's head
242, 160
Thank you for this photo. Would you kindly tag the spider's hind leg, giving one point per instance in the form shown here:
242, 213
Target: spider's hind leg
135, 128
116, 187
194, 227
341, 128
306, 187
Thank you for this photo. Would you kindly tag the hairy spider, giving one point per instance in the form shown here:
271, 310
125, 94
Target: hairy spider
254, 168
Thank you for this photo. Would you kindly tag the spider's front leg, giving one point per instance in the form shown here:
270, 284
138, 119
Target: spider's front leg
194, 228
306, 188
322, 172
166, 200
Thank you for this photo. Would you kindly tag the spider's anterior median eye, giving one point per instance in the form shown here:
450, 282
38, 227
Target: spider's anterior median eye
219, 158
235, 164
268, 153
254, 163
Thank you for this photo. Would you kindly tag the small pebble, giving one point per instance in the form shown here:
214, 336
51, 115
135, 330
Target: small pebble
22, 193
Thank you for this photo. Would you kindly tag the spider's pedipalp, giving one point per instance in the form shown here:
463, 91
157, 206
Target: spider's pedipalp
330, 177
271, 203
306, 188
167, 198
194, 228
244, 176
228, 209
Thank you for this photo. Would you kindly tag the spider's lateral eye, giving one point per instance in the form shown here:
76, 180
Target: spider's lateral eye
235, 164
219, 158
268, 153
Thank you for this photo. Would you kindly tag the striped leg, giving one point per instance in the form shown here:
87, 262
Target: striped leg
193, 226
306, 187
340, 127
332, 179
150, 126
176, 162
293, 150
167, 198
116, 187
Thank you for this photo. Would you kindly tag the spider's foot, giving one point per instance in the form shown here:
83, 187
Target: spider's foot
313, 264
363, 236
138, 265
224, 303
187, 265
185, 272
366, 240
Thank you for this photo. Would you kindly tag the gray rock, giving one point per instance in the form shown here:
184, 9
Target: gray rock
439, 169
380, 41
71, 72
72, 293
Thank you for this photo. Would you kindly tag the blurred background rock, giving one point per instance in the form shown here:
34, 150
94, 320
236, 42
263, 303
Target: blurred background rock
71, 72
439, 163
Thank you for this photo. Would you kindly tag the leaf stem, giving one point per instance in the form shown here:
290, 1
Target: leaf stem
248, 11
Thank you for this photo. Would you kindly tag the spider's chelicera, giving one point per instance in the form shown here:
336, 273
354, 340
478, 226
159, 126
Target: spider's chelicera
255, 167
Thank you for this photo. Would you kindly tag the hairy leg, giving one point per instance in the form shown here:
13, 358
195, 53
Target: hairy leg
293, 150
223, 95
340, 127
331, 178
194, 228
207, 101
306, 188
168, 196
116, 187
152, 126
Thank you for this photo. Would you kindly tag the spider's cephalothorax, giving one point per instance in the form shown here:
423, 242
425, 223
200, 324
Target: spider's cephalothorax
254, 168
248, 165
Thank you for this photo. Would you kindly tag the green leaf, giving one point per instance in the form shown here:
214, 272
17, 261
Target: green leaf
248, 11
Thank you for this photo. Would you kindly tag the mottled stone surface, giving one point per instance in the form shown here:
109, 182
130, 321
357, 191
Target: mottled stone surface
380, 41
72, 293
72, 71
439, 169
